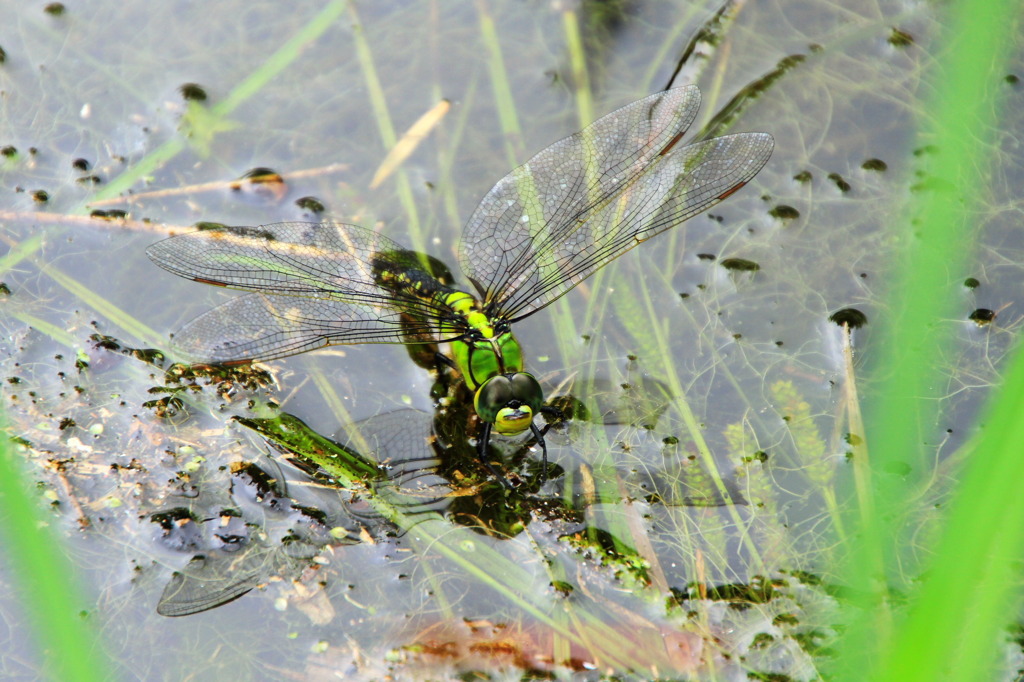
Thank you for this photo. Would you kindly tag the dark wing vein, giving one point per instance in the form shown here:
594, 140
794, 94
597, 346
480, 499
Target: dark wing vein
314, 285
259, 327
589, 198
683, 184
538, 204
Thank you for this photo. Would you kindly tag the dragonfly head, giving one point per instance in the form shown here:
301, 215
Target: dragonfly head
509, 401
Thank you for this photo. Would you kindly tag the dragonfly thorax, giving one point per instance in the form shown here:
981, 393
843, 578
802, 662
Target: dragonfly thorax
480, 356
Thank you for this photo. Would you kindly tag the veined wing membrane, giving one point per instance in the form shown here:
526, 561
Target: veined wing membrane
260, 327
539, 205
316, 285
682, 184
589, 198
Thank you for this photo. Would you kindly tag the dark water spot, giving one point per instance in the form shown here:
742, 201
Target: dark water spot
803, 177
311, 204
851, 317
179, 529
9, 150
563, 588
3, 55
264, 183
758, 591
842, 184
784, 212
759, 456
926, 149
312, 513
715, 218
89, 180
33, 151
254, 232
40, 196
81, 164
110, 214
971, 283
900, 38
258, 486
816, 48
982, 316
67, 423
706, 256
261, 174
875, 165
1010, 78
148, 355
166, 407
54, 8
740, 265
684, 295
192, 92
208, 225
4, 289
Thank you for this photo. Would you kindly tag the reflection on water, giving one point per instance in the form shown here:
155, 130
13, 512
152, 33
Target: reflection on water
382, 477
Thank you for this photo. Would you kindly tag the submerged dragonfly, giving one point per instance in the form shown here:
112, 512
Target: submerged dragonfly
544, 228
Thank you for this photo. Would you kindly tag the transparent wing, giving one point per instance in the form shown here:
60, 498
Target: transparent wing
204, 584
589, 198
316, 284
260, 327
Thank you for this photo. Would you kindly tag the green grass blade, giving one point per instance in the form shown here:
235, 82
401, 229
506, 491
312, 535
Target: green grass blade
45, 581
387, 130
253, 85
578, 60
961, 601
501, 88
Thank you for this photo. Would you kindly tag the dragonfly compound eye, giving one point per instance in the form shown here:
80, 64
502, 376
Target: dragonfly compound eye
492, 396
527, 390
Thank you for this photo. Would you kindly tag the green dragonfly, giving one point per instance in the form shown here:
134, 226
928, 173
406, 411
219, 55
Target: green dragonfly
544, 228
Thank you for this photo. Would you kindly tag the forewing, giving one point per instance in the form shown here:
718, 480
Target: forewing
315, 285
540, 205
588, 199
203, 585
259, 327
679, 186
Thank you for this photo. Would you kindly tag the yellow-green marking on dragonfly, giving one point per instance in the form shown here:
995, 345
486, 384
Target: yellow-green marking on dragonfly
541, 230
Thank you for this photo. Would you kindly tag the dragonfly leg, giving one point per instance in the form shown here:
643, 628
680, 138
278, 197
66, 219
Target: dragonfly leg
539, 434
445, 360
481, 453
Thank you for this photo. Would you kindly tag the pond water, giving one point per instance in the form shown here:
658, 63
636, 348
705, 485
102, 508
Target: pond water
689, 524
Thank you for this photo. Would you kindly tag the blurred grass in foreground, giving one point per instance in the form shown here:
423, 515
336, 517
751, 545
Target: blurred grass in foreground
43, 578
958, 604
